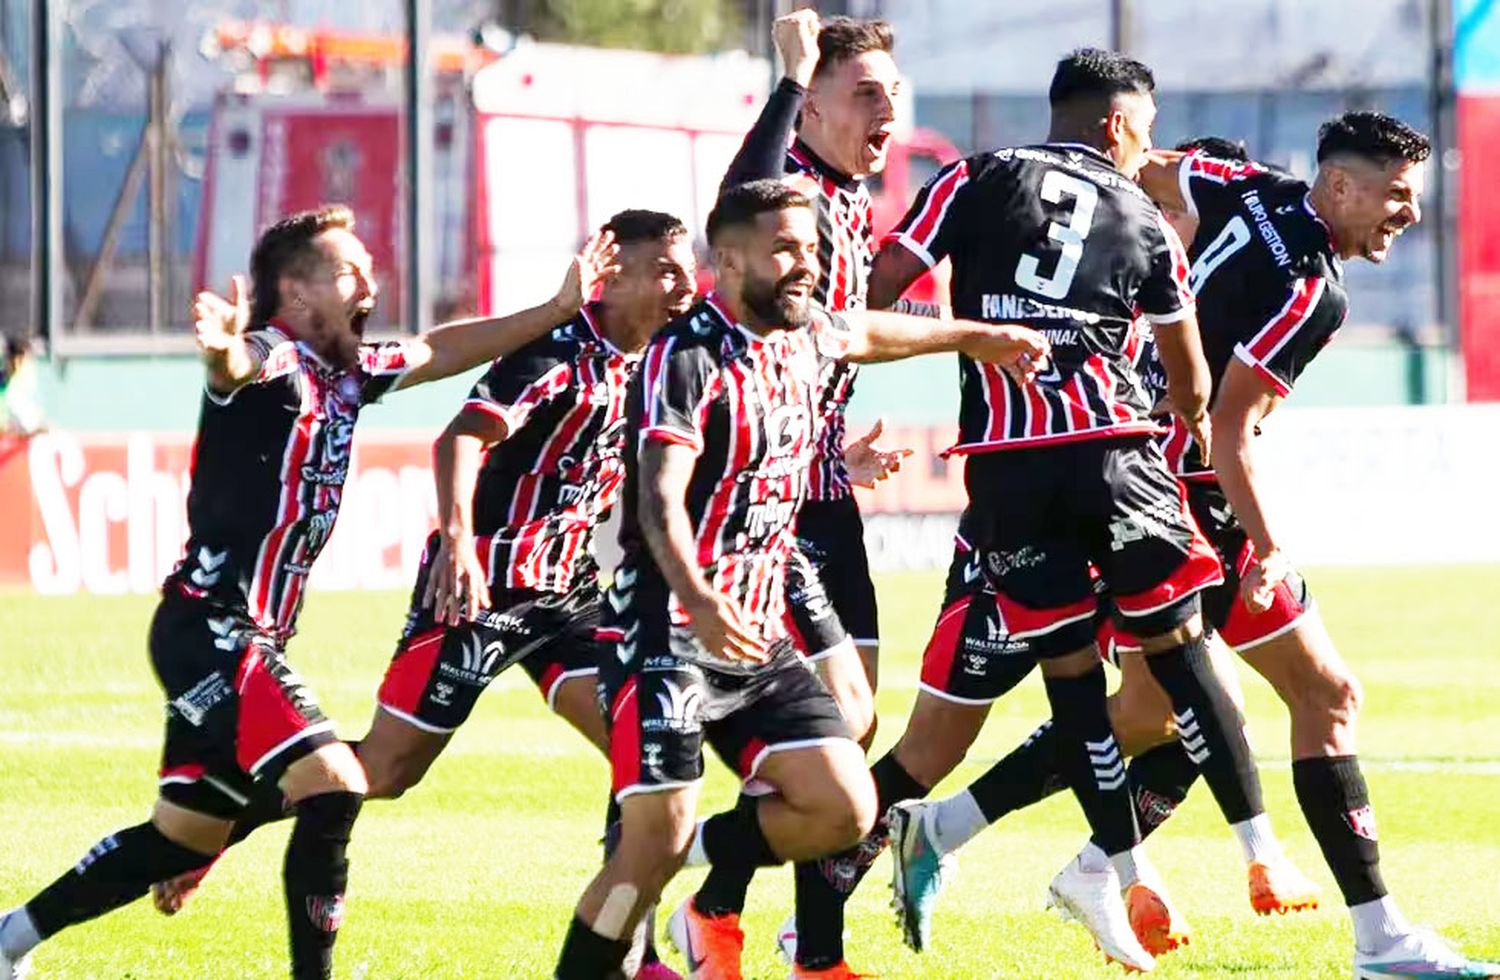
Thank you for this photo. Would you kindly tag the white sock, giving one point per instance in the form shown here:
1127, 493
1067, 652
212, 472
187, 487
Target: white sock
1141, 870
953, 822
1377, 924
18, 935
697, 857
1257, 839
1093, 859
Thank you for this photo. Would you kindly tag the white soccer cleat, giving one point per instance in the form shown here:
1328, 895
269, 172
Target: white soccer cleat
1092, 899
1421, 955
14, 969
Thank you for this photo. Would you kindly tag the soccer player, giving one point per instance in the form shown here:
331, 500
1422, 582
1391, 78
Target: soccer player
1268, 269
971, 662
1065, 478
274, 434
724, 426
839, 93
525, 472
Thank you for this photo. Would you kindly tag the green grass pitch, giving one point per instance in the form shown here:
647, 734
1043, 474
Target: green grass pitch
474, 873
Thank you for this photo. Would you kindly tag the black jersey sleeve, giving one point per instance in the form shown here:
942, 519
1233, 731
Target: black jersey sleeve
932, 224
1165, 296
1308, 318
763, 153
380, 367
1210, 186
517, 385
679, 381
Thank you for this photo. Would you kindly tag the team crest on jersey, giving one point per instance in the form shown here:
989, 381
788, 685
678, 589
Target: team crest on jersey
787, 429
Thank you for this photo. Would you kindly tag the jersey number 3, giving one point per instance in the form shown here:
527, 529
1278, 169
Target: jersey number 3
1055, 186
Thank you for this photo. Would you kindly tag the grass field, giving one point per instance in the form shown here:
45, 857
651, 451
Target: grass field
474, 873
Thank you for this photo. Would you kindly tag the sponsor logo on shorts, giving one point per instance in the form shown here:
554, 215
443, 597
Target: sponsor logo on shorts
1004, 562
194, 704
1162, 519
442, 693
1362, 822
477, 664
679, 709
996, 640
651, 753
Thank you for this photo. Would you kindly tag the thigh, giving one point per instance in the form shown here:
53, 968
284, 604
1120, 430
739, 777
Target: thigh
654, 707
781, 707
569, 647
971, 658
236, 711
1223, 608
832, 535
1146, 545
1028, 531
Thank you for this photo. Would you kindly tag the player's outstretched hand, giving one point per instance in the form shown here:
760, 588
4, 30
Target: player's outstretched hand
796, 37
720, 626
868, 463
1258, 587
457, 591
1021, 351
594, 265
218, 323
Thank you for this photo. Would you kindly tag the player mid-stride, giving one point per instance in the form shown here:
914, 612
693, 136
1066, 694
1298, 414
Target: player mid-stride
286, 380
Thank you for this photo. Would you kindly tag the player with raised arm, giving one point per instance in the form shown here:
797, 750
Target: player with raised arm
1065, 480
1268, 271
286, 380
724, 430
839, 93
974, 662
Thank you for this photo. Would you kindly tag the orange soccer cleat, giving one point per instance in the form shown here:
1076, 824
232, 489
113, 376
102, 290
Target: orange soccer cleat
712, 945
840, 971
1159, 926
1281, 888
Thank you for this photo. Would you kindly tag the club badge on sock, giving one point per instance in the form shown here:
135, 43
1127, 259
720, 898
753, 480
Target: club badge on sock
326, 912
1362, 822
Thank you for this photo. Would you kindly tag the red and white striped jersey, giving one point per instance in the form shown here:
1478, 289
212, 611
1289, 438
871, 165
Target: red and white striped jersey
747, 405
1269, 284
268, 475
546, 487
1052, 236
846, 247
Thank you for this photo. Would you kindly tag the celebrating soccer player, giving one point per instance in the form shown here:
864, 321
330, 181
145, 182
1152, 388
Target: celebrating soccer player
288, 372
724, 427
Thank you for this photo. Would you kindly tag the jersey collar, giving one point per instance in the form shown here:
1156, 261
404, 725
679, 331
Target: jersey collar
1307, 205
1092, 151
589, 314
804, 154
715, 304
303, 349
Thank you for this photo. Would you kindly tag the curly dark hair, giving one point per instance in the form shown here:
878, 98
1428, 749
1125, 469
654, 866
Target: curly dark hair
286, 248
741, 205
1098, 74
1374, 136
842, 38
638, 225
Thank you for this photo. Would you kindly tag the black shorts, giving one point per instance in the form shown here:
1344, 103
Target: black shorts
236, 712
1222, 605
832, 536
661, 702
439, 671
817, 630
971, 658
1047, 517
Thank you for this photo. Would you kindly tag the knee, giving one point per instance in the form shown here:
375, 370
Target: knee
868, 738
391, 777
849, 810
331, 769
655, 848
1342, 698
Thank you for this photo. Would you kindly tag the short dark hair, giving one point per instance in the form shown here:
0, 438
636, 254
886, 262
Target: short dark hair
286, 248
637, 225
1218, 147
1092, 73
1373, 136
739, 206
842, 38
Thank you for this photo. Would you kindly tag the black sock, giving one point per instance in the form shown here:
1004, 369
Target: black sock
1336, 803
315, 875
736, 846
115, 872
586, 955
1210, 727
1090, 760
1159, 781
1029, 774
267, 805
824, 886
